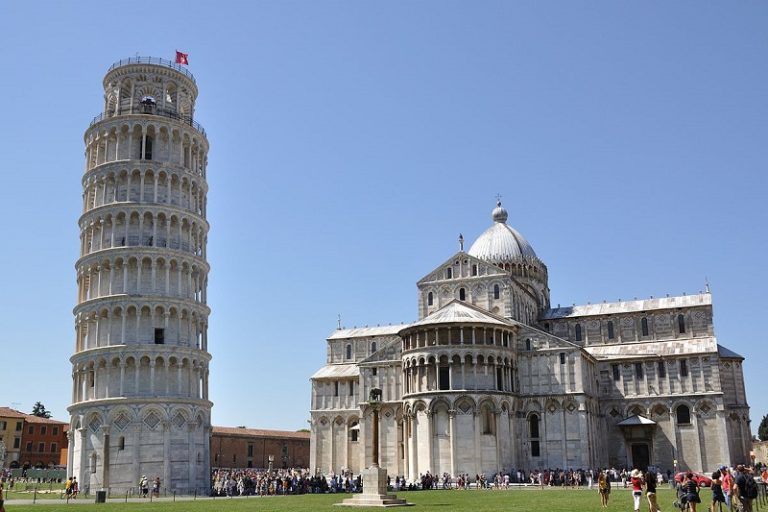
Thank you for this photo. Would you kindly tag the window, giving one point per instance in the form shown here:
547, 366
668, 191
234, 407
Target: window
250, 450
41, 447
616, 373
353, 435
611, 334
148, 149
159, 336
639, 370
17, 443
578, 332
55, 431
681, 324
43, 430
121, 443
535, 450
31, 430
3, 425
234, 458
528, 344
54, 447
374, 371
443, 377
683, 415
683, 368
496, 292
462, 294
546, 326
474, 270
533, 430
336, 388
351, 388
18, 426
449, 273
662, 369
562, 357
250, 463
373, 347
29, 446
644, 326
430, 299
349, 352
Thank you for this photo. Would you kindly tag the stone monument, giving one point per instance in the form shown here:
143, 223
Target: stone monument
374, 478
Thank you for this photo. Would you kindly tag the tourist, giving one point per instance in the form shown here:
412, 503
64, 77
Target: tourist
604, 488
650, 490
143, 486
727, 485
74, 488
745, 487
68, 488
636, 479
718, 498
156, 487
2, 495
691, 491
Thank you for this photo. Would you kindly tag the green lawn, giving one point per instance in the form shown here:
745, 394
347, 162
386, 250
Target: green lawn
514, 500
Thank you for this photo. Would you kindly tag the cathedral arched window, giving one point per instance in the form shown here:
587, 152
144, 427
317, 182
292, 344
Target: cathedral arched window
373, 347
681, 323
462, 294
449, 273
611, 334
528, 344
496, 291
533, 430
644, 326
430, 299
147, 147
683, 415
474, 270
578, 332
349, 352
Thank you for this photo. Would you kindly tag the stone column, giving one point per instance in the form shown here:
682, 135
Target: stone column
453, 433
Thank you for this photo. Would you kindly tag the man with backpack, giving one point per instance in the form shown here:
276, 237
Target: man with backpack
746, 488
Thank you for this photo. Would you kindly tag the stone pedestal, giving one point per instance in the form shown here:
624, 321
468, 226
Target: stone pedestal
374, 491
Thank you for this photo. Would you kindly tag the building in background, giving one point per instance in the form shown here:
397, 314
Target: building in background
140, 365
240, 447
31, 441
493, 378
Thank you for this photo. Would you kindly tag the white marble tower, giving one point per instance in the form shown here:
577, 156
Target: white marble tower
140, 365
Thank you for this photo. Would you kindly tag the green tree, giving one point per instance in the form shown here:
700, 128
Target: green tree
762, 430
39, 410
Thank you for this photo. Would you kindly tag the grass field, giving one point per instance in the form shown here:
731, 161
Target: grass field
514, 500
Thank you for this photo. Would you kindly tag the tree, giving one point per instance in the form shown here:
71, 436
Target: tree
39, 410
762, 430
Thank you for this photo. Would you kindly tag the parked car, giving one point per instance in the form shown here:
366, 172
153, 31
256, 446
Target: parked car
701, 480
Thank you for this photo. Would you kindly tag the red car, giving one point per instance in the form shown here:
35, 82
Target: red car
701, 480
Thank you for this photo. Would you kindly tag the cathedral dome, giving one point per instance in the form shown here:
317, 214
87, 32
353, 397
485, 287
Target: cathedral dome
500, 243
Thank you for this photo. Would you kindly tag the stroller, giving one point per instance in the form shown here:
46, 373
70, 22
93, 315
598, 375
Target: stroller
681, 500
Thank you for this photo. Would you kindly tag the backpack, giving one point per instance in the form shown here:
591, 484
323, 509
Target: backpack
750, 488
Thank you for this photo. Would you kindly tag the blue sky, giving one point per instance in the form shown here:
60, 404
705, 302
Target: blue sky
351, 142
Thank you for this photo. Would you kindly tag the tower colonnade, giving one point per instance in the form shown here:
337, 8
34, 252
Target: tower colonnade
140, 366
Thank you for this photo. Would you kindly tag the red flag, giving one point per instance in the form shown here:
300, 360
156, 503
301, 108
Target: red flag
182, 58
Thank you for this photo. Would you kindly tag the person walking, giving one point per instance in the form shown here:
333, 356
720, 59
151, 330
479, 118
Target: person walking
636, 480
727, 480
604, 488
718, 498
691, 490
650, 490
745, 487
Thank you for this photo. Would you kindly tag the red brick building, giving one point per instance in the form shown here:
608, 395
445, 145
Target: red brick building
236, 447
42, 442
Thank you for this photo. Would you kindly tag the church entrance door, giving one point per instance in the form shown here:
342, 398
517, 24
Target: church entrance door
641, 456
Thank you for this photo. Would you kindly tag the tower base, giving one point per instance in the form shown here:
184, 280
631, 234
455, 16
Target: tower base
374, 491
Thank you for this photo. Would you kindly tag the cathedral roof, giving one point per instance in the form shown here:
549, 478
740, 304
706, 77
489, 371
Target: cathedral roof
500, 243
727, 353
671, 348
364, 332
459, 312
336, 371
628, 306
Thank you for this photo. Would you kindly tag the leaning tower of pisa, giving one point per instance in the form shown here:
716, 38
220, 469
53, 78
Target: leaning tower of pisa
140, 365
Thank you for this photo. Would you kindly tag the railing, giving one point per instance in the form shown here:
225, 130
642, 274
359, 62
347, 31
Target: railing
155, 61
150, 110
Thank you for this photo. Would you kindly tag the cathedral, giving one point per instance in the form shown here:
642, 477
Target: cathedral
493, 378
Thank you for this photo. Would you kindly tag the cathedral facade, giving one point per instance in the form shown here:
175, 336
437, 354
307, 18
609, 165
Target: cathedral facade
492, 378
